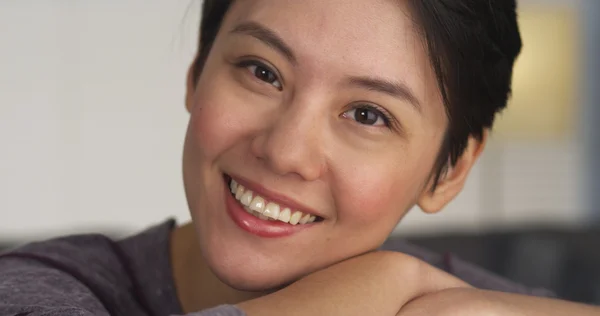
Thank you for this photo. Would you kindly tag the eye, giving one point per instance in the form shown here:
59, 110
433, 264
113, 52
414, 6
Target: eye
367, 115
262, 72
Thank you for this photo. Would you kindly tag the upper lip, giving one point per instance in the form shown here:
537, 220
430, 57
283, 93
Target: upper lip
275, 197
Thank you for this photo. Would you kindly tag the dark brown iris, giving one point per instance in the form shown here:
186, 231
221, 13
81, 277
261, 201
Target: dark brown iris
365, 116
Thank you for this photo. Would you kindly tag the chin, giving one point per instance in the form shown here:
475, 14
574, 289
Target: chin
249, 282
250, 275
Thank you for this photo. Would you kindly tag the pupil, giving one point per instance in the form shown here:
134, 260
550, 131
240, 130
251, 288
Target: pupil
263, 74
365, 116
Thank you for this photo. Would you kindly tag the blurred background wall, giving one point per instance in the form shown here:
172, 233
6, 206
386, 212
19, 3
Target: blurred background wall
92, 121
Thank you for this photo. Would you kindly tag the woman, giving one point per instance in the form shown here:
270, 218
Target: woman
314, 127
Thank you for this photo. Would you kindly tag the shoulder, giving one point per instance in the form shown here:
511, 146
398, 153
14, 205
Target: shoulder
76, 275
470, 273
73, 253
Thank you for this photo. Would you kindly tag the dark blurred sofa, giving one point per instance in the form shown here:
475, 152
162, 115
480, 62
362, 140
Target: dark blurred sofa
565, 262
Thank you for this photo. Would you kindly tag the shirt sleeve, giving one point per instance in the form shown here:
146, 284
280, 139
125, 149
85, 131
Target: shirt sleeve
29, 288
223, 310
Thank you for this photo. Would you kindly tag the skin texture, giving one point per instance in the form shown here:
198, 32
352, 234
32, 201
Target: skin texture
298, 136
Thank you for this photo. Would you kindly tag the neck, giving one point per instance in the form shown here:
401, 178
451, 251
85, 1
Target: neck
197, 286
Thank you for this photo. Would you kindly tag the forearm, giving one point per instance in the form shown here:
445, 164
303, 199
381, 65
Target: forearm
373, 284
533, 306
467, 302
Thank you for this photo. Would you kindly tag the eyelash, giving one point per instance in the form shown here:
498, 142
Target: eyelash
389, 121
256, 63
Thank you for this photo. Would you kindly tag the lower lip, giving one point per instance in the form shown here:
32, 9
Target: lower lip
255, 225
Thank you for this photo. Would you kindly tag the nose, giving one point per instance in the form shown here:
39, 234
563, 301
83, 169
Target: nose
291, 143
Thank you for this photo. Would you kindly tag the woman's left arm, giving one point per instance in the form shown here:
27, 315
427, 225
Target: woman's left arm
468, 301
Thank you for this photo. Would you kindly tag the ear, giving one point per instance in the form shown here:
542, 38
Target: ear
191, 82
451, 183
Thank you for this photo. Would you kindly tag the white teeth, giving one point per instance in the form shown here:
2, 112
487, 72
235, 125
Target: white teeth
239, 191
246, 198
257, 204
285, 215
295, 219
271, 211
304, 219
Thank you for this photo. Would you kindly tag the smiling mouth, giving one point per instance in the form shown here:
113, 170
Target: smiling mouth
267, 209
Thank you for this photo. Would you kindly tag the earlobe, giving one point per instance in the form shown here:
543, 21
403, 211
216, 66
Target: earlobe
452, 182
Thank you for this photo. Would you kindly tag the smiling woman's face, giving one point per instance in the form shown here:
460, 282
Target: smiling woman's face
328, 108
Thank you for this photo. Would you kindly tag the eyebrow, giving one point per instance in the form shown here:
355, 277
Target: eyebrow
267, 36
395, 89
270, 38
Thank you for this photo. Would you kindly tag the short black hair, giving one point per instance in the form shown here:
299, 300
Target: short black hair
472, 46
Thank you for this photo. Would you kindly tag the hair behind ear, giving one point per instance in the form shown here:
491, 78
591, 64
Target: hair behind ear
472, 48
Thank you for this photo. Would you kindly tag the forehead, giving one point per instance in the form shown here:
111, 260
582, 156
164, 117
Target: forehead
373, 35
336, 39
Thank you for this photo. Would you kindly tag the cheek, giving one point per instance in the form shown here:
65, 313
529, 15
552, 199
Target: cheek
373, 192
204, 132
214, 123
378, 188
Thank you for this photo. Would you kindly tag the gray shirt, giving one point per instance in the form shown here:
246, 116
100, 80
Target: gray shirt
94, 275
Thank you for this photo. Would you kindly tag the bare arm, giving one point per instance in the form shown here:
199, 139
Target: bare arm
390, 283
467, 302
378, 283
